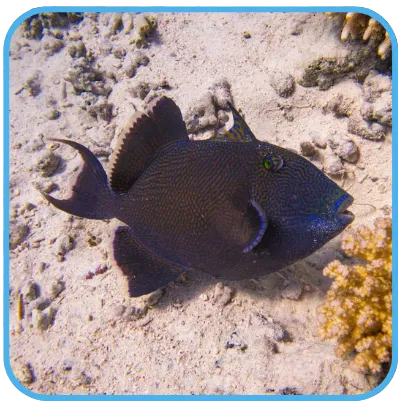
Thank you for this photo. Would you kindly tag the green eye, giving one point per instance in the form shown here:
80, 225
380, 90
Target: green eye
267, 163
273, 162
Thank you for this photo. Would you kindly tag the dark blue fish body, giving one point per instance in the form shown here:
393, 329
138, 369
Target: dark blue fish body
234, 207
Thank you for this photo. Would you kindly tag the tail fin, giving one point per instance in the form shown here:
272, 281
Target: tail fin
92, 196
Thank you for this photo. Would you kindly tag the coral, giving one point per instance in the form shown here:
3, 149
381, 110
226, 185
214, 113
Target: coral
358, 23
367, 130
34, 26
385, 46
377, 93
84, 77
358, 307
143, 26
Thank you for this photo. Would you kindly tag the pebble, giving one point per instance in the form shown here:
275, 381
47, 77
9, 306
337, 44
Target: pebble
154, 297
46, 186
119, 53
23, 373
115, 24
80, 378
52, 45
40, 304
202, 115
293, 289
26, 210
30, 291
77, 50
382, 188
288, 391
47, 163
56, 289
222, 294
236, 342
141, 89
340, 105
332, 164
134, 313
387, 210
41, 320
283, 84
221, 91
67, 365
372, 131
63, 91
348, 151
35, 144
307, 148
62, 245
223, 118
75, 37
96, 106
18, 233
33, 85
85, 77
133, 61
145, 90
319, 141
127, 23
52, 114
105, 47
93, 240
380, 111
276, 332
118, 310
146, 321
375, 85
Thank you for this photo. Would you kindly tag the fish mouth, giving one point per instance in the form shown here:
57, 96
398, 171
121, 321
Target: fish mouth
343, 213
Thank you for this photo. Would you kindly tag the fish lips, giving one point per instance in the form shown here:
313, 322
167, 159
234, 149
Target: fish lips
344, 215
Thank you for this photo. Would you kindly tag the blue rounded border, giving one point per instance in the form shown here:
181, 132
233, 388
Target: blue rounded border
6, 145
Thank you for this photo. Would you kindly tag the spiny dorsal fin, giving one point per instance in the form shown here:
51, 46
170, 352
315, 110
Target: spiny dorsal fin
240, 132
138, 142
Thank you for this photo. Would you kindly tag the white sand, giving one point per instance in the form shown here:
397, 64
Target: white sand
96, 343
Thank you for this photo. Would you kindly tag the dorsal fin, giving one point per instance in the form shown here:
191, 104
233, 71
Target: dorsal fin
138, 142
240, 132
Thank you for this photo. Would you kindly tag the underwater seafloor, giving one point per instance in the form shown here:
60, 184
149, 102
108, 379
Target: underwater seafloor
73, 328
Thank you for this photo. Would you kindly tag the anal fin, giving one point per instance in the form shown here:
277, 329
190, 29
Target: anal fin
146, 272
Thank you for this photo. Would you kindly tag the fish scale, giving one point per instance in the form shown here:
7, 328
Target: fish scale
231, 206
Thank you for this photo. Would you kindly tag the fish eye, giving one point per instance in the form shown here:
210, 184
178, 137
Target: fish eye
273, 162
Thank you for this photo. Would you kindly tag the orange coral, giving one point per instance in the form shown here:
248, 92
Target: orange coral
358, 307
358, 23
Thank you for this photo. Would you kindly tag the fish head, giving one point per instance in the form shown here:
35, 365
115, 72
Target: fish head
304, 207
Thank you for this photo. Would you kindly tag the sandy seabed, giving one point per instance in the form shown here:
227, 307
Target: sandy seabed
73, 327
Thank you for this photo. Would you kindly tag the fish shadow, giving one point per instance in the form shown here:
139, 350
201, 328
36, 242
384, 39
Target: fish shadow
305, 275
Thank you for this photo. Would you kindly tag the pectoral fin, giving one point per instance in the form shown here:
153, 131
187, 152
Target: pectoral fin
146, 272
258, 222
241, 225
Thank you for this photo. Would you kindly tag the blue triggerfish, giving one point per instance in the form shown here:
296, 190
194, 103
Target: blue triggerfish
232, 206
